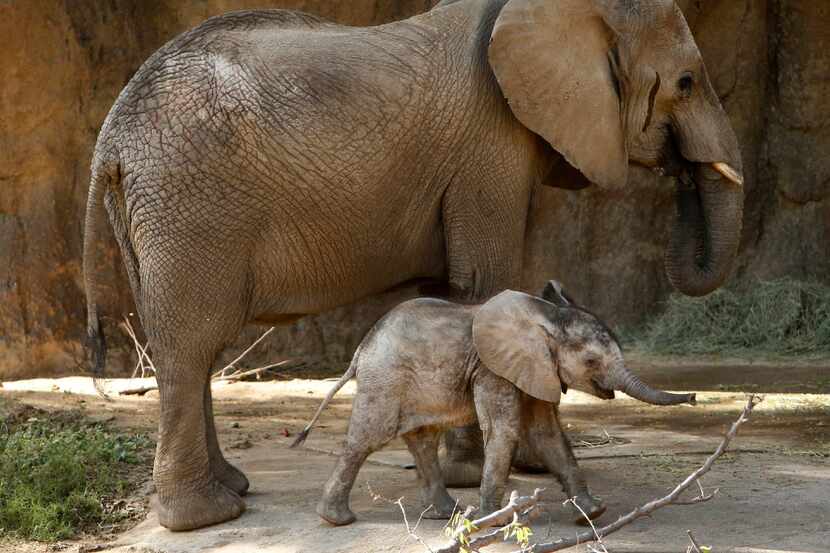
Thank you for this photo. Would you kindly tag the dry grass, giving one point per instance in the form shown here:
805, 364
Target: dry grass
780, 317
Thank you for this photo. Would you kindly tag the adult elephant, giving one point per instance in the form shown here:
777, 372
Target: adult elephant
268, 165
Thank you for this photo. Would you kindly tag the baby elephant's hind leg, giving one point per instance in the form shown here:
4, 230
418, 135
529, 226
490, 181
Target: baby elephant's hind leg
423, 444
372, 425
334, 505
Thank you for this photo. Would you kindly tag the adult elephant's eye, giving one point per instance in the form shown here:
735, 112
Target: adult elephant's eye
685, 84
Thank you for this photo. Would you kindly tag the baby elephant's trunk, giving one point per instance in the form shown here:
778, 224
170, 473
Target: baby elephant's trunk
624, 380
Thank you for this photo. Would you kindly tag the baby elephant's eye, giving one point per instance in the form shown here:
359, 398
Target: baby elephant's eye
685, 83
592, 363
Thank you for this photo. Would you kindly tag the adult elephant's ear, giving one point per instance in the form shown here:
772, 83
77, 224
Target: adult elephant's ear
551, 59
511, 335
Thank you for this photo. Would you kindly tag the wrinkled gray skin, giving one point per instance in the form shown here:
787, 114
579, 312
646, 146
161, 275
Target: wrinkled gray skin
429, 365
282, 165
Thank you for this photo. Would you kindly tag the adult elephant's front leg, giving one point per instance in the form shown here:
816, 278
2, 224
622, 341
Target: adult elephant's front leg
226, 473
484, 224
464, 461
189, 495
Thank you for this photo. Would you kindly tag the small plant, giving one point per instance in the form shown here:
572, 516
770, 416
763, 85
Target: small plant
460, 528
62, 474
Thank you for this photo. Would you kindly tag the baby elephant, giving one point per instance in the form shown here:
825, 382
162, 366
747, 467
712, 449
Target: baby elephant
430, 365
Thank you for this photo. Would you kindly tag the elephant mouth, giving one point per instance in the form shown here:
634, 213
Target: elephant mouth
601, 392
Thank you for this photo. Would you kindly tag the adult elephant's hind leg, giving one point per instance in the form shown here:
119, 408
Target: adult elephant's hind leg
189, 494
423, 444
186, 332
226, 473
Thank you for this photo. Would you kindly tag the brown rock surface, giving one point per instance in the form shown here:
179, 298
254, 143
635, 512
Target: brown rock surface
64, 63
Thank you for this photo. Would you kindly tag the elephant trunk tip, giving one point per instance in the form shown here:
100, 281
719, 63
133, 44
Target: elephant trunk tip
301, 437
692, 399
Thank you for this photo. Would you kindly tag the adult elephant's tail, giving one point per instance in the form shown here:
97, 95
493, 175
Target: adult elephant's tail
96, 344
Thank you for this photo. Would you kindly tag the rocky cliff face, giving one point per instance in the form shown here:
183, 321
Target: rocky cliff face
65, 62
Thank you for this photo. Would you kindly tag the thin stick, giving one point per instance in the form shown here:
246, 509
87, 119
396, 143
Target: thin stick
232, 364
695, 546
239, 375
590, 522
140, 349
411, 531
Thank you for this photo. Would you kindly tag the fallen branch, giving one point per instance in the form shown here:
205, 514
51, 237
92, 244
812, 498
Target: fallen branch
520, 508
516, 512
673, 498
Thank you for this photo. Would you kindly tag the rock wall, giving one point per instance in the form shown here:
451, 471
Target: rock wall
64, 63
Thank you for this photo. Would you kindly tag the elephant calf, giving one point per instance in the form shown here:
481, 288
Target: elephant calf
430, 365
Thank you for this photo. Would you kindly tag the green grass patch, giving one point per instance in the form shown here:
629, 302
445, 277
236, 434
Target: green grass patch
781, 317
62, 475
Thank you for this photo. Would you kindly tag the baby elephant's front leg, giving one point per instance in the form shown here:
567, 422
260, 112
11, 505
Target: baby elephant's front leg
500, 443
545, 437
499, 414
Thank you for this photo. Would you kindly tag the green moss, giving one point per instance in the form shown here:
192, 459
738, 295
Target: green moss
783, 317
60, 475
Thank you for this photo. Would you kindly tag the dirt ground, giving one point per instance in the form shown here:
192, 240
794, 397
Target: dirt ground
774, 485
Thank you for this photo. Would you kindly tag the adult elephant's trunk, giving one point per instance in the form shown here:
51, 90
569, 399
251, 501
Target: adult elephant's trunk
620, 378
707, 229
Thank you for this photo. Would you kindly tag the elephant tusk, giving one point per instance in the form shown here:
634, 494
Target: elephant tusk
727, 171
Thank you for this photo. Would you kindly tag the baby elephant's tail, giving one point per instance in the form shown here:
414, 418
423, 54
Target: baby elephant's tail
340, 383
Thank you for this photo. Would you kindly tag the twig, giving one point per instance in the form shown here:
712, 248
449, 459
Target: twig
242, 374
144, 362
222, 372
695, 546
572, 501
411, 531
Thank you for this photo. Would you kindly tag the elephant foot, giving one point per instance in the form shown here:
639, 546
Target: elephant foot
462, 473
592, 506
188, 510
442, 508
488, 507
336, 514
231, 477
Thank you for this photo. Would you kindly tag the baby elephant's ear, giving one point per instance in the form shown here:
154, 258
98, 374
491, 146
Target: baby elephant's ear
510, 333
553, 293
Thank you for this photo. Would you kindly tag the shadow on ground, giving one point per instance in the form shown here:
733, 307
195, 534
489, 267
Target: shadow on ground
774, 486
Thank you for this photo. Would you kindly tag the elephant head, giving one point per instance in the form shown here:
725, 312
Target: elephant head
546, 346
608, 83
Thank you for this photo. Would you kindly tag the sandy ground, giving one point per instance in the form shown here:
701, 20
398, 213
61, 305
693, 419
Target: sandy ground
774, 488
